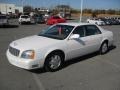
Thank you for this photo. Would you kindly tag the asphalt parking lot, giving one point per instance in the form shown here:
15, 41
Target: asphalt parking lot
91, 72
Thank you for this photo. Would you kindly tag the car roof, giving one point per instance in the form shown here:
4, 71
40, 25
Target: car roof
2, 15
24, 15
76, 24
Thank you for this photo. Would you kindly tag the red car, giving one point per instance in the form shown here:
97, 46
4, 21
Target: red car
55, 19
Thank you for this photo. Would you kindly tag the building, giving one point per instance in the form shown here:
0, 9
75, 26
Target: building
10, 8
19, 9
7, 8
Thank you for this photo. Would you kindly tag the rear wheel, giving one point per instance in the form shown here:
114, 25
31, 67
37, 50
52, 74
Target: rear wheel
53, 62
104, 48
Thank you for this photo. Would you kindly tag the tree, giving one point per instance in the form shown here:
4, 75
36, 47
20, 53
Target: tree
94, 14
75, 10
110, 11
88, 11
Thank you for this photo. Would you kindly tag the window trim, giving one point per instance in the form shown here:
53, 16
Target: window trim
92, 25
83, 30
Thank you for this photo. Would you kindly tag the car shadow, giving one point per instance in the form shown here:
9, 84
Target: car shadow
112, 47
38, 71
28, 24
79, 59
85, 57
72, 61
9, 26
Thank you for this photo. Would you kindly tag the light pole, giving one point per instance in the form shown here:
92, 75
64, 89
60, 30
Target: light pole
6, 7
81, 10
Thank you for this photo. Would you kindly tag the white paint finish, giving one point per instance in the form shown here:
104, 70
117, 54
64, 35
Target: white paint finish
71, 47
21, 19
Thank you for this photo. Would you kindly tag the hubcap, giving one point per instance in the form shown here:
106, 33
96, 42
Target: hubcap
55, 62
104, 48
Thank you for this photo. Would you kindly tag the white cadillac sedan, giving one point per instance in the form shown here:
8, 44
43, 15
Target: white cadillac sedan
58, 43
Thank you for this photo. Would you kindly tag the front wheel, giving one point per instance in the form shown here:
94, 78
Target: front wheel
104, 48
20, 23
53, 62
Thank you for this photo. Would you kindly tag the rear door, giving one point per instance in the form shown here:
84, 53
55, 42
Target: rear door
92, 39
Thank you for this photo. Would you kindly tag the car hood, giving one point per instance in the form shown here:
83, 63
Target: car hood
33, 42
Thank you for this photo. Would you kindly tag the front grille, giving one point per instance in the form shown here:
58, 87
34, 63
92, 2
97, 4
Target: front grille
14, 51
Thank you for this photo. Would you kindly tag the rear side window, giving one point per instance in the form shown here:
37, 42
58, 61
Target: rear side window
92, 30
56, 17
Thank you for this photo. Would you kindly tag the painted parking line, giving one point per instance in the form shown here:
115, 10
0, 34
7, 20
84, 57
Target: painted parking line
38, 82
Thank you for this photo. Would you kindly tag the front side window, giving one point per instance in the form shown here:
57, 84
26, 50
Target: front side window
80, 30
57, 32
92, 30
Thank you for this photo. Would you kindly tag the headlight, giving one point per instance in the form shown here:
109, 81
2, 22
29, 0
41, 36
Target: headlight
28, 54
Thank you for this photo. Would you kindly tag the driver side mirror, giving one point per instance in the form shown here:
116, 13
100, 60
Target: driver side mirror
74, 36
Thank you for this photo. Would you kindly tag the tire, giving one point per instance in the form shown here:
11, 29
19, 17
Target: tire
53, 62
104, 48
20, 23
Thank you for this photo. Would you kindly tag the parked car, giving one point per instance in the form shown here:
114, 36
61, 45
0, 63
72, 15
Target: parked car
59, 43
115, 22
118, 18
3, 20
26, 19
55, 19
39, 18
106, 21
95, 21
46, 17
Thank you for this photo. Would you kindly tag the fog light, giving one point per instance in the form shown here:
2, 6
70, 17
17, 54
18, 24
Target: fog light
34, 66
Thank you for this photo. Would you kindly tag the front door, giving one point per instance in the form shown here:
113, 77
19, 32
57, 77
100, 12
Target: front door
75, 47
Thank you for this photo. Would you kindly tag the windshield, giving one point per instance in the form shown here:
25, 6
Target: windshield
24, 17
3, 17
57, 32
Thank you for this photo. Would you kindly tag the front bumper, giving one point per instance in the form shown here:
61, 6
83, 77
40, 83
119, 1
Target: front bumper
24, 63
5, 23
25, 21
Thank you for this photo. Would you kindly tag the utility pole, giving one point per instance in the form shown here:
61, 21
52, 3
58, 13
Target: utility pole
81, 10
22, 2
6, 7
